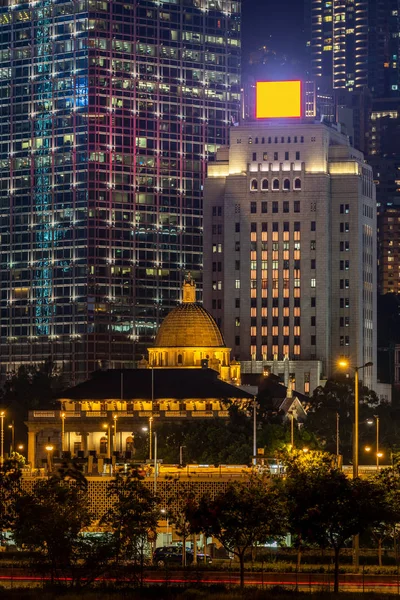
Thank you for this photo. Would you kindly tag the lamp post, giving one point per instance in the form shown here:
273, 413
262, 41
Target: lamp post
254, 431
150, 437
20, 447
12, 445
62, 431
337, 434
115, 417
155, 462
2, 415
49, 450
291, 429
108, 433
378, 453
181, 455
345, 364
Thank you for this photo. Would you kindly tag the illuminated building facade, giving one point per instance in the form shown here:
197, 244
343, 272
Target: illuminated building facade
109, 111
290, 246
355, 44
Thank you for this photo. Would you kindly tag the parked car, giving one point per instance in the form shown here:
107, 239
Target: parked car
172, 555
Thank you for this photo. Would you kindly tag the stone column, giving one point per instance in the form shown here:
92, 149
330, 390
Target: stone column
84, 437
32, 448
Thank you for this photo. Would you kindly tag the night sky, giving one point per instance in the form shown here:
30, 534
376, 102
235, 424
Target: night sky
277, 23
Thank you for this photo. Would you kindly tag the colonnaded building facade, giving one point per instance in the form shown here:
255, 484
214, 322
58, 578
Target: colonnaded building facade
190, 376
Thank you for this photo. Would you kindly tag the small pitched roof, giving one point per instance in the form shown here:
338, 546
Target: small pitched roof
177, 383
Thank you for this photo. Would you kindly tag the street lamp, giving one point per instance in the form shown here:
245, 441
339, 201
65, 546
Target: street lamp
11, 426
345, 364
115, 417
107, 426
254, 431
62, 431
291, 429
164, 513
20, 447
181, 455
378, 454
149, 429
49, 450
2, 415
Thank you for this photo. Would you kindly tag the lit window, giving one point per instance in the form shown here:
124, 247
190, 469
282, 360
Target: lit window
254, 185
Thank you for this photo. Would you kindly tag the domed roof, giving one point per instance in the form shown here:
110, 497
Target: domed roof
189, 325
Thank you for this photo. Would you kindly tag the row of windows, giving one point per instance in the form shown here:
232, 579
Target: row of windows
276, 185
276, 156
276, 140
275, 207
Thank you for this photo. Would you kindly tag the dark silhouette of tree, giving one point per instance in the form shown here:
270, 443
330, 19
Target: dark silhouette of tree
132, 519
335, 508
50, 521
10, 490
247, 513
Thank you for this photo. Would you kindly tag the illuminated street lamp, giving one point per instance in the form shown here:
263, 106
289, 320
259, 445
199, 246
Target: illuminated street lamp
378, 453
63, 431
108, 433
11, 426
344, 364
115, 417
49, 450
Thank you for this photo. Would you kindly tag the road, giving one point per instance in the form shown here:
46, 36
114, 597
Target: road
304, 581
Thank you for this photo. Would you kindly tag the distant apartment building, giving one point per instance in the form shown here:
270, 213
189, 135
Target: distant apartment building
290, 246
355, 44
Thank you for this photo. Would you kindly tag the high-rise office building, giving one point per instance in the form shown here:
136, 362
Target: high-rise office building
290, 245
109, 111
355, 44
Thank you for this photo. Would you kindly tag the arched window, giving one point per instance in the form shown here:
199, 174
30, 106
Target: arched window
103, 445
180, 359
286, 184
275, 184
297, 184
129, 444
254, 185
264, 185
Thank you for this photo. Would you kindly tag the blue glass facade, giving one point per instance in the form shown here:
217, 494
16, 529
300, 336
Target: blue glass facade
109, 111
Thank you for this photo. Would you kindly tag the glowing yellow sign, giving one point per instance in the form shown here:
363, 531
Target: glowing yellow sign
278, 99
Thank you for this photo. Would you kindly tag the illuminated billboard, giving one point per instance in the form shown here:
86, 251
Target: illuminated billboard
278, 99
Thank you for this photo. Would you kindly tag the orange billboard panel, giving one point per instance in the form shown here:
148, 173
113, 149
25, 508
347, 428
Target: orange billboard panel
278, 99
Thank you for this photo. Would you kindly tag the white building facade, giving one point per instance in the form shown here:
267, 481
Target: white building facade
290, 246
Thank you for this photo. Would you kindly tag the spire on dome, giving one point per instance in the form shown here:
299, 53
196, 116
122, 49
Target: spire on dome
189, 290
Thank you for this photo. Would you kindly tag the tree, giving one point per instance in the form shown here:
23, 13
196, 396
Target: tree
247, 513
337, 396
133, 518
389, 482
10, 489
336, 509
50, 521
303, 471
28, 388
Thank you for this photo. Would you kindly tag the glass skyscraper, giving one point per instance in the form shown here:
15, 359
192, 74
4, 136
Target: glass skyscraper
109, 111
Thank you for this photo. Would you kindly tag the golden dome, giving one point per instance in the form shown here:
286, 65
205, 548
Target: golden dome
189, 325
